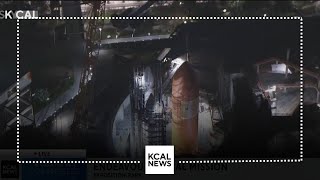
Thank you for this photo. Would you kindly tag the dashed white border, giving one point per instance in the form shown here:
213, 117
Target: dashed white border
79, 162
18, 87
301, 89
180, 18
177, 18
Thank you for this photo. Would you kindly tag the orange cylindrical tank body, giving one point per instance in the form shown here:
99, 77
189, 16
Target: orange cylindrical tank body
185, 108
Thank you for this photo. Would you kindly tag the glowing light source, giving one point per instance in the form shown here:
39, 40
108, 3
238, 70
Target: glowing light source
271, 89
280, 68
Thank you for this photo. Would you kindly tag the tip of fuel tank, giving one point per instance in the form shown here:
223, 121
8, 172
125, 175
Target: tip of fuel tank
185, 81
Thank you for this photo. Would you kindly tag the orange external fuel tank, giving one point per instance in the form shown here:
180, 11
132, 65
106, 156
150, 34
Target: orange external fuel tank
185, 108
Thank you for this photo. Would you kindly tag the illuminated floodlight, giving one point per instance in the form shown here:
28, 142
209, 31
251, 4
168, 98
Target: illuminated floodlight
185, 22
224, 10
271, 89
100, 29
280, 68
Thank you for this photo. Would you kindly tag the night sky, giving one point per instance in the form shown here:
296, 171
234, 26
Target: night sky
7, 53
244, 41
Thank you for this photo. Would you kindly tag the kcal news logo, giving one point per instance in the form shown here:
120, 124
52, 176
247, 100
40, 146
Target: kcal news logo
20, 14
159, 160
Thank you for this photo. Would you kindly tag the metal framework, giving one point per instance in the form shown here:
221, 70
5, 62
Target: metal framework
148, 126
310, 73
8, 102
85, 97
274, 59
